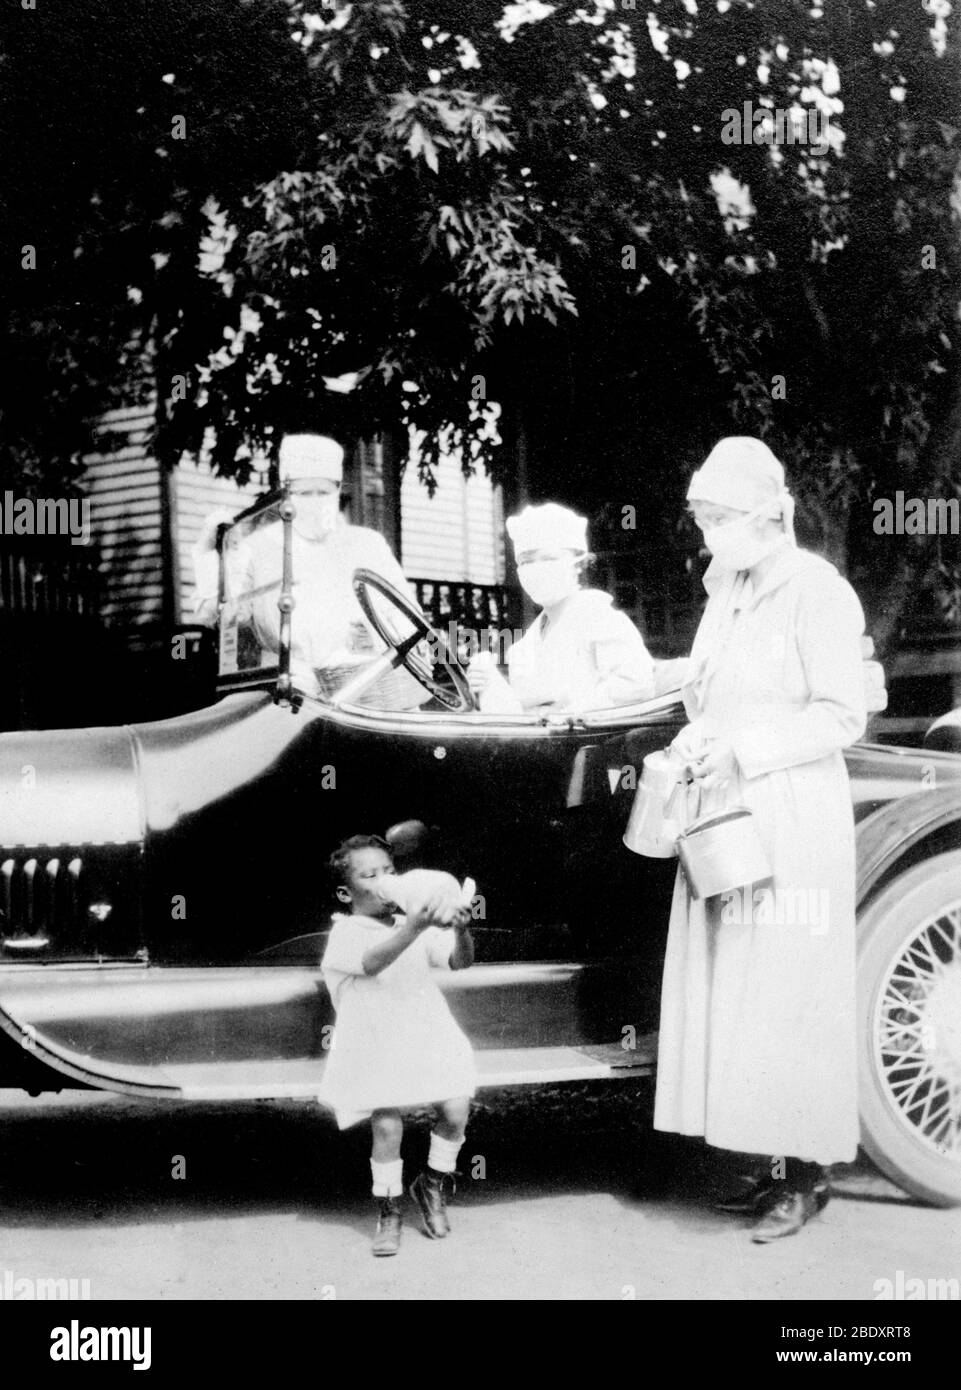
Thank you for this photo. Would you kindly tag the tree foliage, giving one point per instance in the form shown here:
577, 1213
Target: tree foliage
532, 204
95, 178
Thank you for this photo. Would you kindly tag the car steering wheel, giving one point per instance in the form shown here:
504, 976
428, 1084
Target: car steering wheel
459, 697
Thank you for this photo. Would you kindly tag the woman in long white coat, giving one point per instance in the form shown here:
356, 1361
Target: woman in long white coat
757, 1040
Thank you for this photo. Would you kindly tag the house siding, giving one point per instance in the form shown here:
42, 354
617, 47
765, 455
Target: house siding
455, 536
458, 533
122, 482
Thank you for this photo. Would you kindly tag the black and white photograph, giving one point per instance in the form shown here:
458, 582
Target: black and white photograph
480, 664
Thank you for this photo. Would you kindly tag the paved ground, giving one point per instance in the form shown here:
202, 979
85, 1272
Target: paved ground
579, 1200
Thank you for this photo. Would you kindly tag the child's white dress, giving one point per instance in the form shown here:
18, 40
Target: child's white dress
396, 1043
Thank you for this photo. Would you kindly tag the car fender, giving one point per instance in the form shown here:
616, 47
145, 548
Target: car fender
889, 834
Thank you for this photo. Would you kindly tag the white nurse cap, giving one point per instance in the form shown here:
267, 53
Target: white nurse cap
311, 456
548, 527
742, 472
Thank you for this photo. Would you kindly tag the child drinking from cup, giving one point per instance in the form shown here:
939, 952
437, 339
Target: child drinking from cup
396, 1044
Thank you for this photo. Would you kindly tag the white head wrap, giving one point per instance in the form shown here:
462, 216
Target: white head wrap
548, 527
741, 472
311, 456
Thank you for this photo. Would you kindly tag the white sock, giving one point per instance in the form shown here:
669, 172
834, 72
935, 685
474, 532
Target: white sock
443, 1154
388, 1178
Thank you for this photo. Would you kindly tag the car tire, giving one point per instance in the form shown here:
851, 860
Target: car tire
909, 1029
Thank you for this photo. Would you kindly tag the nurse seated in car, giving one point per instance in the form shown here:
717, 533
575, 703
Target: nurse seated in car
580, 653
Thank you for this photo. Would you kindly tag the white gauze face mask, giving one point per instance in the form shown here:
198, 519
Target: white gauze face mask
736, 545
316, 514
549, 582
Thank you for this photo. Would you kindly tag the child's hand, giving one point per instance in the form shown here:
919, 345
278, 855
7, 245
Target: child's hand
429, 897
438, 912
442, 913
423, 917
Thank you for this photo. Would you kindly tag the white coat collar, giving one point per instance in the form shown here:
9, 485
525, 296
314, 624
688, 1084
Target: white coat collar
790, 560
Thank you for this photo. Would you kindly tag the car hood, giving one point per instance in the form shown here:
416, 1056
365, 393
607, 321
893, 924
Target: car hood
69, 787
110, 786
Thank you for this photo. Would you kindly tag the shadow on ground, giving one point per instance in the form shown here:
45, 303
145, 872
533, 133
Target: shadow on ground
77, 1161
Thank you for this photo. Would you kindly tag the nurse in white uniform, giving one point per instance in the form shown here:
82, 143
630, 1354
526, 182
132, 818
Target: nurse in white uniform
580, 653
329, 631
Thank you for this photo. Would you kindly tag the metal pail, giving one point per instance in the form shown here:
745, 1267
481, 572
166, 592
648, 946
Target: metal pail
722, 851
658, 814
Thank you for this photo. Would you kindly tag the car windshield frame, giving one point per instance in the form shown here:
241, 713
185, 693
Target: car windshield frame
273, 675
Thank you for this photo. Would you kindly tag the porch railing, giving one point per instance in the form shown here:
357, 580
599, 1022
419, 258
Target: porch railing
48, 575
667, 618
472, 606
665, 605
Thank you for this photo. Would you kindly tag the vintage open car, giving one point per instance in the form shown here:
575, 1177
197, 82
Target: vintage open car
164, 902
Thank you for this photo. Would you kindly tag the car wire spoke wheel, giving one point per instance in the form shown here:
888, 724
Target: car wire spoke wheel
909, 1022
918, 1032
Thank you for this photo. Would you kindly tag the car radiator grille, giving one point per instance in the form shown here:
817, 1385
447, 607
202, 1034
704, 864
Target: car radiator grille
40, 898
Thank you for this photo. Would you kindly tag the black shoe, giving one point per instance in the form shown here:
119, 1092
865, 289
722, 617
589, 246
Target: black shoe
389, 1223
792, 1210
429, 1192
753, 1194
